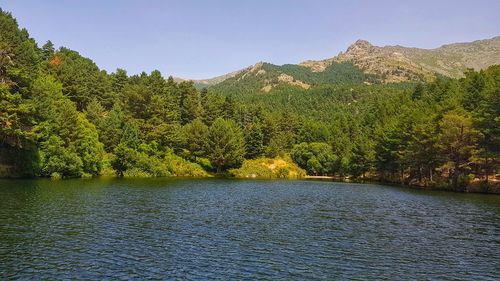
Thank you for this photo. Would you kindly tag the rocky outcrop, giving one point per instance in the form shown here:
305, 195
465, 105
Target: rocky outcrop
397, 63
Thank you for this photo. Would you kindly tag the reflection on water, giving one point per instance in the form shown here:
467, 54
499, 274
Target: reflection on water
231, 229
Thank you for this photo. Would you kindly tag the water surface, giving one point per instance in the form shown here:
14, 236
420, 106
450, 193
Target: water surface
234, 230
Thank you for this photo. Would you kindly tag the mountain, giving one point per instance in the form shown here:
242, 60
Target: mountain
363, 63
203, 83
264, 77
397, 63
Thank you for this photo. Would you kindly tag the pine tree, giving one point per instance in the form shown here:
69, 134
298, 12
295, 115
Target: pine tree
254, 139
195, 134
48, 50
225, 144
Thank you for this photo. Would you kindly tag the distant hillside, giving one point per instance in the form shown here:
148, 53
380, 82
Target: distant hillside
264, 77
203, 83
363, 63
397, 63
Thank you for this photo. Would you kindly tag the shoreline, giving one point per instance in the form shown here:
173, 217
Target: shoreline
469, 189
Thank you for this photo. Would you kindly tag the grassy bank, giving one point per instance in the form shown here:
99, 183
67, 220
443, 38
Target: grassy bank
269, 168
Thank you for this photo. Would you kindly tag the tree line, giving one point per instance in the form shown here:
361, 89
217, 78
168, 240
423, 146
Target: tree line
62, 116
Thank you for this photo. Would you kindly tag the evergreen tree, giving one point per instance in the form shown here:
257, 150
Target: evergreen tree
196, 138
130, 135
225, 144
81, 78
316, 158
124, 159
64, 128
190, 101
48, 50
19, 55
457, 141
228, 108
487, 122
212, 107
254, 139
118, 80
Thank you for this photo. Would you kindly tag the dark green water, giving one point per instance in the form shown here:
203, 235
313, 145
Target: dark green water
161, 229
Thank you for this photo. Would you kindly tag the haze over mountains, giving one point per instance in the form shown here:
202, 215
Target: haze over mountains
364, 62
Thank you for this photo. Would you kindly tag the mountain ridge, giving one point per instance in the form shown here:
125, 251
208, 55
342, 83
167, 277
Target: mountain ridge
390, 63
201, 83
398, 63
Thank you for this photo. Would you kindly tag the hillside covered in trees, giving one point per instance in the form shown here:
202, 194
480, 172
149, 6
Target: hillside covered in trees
61, 116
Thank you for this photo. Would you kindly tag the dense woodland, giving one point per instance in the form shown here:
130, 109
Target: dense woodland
61, 116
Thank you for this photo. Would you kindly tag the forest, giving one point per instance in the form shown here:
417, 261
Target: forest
63, 117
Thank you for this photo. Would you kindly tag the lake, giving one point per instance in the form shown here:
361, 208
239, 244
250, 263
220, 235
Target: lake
181, 229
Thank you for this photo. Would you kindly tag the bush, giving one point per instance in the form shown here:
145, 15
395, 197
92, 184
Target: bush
269, 168
180, 167
56, 159
316, 157
129, 162
55, 176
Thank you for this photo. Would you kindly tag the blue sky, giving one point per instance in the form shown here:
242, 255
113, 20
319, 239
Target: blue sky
206, 38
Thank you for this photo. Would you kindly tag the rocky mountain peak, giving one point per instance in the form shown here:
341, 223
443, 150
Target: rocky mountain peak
257, 67
391, 64
360, 45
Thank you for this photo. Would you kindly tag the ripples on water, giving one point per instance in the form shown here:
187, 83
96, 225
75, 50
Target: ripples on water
233, 230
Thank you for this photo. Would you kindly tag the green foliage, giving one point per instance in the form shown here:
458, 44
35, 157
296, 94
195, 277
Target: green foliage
457, 140
336, 73
81, 78
270, 168
64, 128
251, 81
118, 80
317, 158
195, 134
130, 135
148, 162
363, 156
132, 162
56, 158
190, 102
225, 144
19, 65
213, 106
123, 160
15, 117
180, 167
254, 139
61, 116
109, 124
87, 146
48, 50
19, 55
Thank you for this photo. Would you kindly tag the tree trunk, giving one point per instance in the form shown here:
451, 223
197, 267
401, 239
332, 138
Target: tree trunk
456, 173
420, 174
486, 168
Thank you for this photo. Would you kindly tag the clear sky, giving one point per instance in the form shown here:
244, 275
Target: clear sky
206, 38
